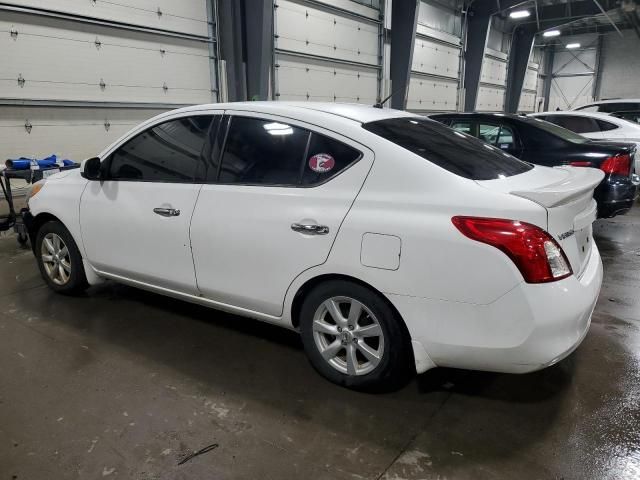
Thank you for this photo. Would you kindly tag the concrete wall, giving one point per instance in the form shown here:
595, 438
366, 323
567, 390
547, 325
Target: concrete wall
620, 66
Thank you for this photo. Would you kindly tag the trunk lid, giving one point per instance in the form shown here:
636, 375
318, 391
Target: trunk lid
567, 195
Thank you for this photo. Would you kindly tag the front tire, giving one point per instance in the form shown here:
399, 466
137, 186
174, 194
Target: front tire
59, 259
353, 337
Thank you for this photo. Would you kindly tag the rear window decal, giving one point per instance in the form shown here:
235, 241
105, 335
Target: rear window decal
322, 163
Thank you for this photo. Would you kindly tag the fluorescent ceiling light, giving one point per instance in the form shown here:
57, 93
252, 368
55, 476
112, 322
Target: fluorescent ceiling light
551, 33
520, 14
573, 45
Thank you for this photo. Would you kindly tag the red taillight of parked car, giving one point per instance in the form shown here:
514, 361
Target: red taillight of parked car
617, 165
536, 254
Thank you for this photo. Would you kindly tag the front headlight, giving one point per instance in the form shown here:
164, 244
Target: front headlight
35, 188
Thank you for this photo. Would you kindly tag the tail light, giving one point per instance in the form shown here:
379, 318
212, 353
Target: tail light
536, 254
580, 164
617, 165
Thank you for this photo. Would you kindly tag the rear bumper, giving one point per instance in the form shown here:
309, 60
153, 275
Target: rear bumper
615, 196
527, 329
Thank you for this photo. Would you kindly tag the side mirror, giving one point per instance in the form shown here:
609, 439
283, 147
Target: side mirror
91, 169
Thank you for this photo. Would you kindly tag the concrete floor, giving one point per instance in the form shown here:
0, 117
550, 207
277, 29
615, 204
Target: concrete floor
126, 384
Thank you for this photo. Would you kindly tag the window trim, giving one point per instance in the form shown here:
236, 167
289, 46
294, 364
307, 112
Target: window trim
105, 165
295, 123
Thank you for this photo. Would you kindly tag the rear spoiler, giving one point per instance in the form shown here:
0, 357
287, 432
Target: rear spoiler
581, 180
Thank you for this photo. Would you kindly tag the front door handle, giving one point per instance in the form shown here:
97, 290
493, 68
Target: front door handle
167, 212
310, 229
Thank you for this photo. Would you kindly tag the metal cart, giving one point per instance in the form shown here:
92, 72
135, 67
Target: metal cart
13, 220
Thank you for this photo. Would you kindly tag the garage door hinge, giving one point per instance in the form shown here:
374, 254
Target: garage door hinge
163, 52
103, 85
98, 43
159, 12
21, 80
165, 87
28, 126
107, 125
13, 32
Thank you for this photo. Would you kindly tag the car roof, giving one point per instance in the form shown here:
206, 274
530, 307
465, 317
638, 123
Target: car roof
621, 122
613, 100
487, 115
602, 115
356, 112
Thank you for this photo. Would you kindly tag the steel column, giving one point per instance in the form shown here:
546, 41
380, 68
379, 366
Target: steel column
477, 33
519, 54
548, 75
404, 20
231, 36
259, 47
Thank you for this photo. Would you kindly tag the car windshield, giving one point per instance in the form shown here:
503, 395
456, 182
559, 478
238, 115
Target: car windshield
454, 151
558, 131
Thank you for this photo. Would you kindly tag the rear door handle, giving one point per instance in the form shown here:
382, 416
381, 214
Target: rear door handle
310, 229
167, 212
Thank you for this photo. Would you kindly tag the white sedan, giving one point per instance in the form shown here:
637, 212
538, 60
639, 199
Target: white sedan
392, 243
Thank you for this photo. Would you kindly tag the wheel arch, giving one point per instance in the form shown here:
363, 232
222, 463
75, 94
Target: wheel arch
37, 222
310, 284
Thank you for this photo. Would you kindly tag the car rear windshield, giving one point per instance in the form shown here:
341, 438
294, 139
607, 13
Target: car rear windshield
456, 152
558, 131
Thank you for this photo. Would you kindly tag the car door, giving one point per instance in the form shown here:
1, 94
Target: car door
135, 222
273, 209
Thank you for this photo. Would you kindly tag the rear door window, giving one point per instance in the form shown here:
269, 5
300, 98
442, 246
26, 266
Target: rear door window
262, 152
461, 154
273, 153
326, 158
463, 126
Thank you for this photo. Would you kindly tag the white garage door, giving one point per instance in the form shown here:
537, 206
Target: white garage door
435, 69
529, 89
71, 86
324, 52
493, 82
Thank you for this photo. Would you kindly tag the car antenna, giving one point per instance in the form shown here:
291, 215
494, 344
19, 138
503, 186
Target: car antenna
382, 102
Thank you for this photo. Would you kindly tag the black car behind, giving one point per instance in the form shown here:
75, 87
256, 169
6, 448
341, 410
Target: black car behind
544, 143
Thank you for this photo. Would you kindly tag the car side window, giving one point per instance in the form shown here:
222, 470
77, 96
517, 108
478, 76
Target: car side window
169, 153
506, 139
606, 126
263, 152
267, 152
326, 158
463, 126
488, 132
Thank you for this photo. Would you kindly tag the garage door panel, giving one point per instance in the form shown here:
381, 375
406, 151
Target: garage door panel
317, 80
494, 71
530, 79
186, 16
74, 133
430, 94
527, 102
61, 60
490, 99
314, 31
435, 58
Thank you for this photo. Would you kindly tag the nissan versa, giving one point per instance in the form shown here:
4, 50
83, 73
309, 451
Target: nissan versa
391, 242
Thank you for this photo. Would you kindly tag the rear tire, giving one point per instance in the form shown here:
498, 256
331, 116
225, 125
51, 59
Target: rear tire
366, 347
59, 259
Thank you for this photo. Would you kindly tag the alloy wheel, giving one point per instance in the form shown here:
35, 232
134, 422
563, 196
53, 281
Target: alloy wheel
55, 258
348, 335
